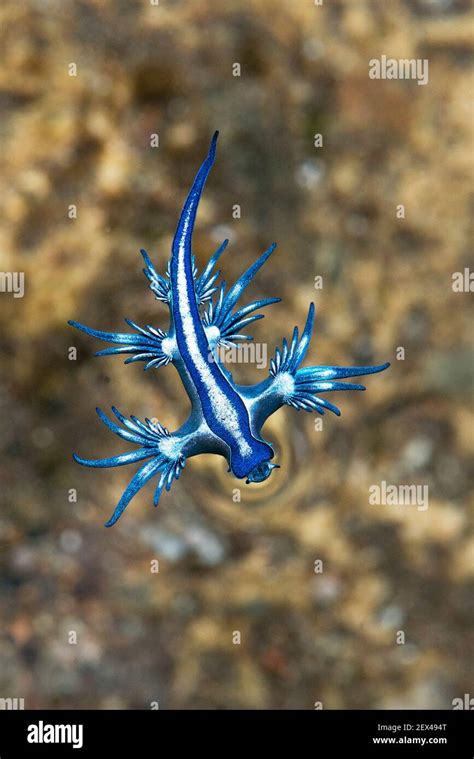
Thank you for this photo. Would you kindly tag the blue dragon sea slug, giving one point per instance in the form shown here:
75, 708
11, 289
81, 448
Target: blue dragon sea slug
225, 418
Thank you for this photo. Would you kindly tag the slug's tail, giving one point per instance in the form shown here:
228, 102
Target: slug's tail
184, 230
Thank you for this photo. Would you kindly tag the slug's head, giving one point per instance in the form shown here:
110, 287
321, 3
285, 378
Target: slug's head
261, 472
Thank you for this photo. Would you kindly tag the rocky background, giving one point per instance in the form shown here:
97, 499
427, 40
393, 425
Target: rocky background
389, 572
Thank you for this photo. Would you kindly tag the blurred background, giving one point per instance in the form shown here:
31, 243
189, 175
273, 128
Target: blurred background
332, 636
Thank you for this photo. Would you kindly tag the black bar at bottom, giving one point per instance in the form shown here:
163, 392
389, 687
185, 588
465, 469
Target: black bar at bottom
322, 733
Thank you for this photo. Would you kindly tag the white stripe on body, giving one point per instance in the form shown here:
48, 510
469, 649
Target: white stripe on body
220, 404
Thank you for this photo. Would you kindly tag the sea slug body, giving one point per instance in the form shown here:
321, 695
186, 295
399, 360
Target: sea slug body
225, 418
